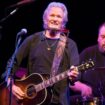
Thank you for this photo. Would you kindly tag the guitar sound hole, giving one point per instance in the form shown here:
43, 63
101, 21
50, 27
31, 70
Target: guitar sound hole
30, 91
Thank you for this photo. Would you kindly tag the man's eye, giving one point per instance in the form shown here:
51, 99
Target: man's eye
52, 15
102, 36
59, 16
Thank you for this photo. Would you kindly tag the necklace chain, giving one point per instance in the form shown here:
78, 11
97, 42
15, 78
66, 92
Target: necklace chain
50, 46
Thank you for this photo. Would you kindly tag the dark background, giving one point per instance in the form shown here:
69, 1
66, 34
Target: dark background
85, 16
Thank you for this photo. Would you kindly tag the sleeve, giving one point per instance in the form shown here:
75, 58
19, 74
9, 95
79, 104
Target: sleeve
22, 53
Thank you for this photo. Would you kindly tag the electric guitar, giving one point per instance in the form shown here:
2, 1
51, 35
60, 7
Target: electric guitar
36, 86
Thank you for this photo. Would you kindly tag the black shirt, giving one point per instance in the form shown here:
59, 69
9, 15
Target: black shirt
94, 77
39, 59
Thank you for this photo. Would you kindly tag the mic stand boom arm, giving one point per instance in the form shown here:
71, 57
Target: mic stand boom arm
10, 14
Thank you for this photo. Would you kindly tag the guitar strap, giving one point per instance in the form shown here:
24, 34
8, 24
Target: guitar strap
58, 54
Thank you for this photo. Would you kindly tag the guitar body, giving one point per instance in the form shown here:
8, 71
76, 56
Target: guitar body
42, 97
5, 95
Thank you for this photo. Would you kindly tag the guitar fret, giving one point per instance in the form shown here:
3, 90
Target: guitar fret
51, 82
63, 75
54, 79
38, 87
46, 83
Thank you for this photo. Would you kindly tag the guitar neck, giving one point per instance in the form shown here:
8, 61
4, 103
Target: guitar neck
51, 81
62, 76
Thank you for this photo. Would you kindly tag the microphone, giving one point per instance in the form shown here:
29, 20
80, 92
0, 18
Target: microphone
21, 3
20, 35
22, 32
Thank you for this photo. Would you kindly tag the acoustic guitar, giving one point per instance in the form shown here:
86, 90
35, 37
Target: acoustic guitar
37, 86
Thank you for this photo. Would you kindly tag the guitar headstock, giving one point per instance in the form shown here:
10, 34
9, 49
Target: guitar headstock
88, 64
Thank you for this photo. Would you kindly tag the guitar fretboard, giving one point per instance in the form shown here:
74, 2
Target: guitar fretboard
51, 81
61, 76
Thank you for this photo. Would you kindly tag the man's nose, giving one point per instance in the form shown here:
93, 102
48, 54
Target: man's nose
104, 40
55, 18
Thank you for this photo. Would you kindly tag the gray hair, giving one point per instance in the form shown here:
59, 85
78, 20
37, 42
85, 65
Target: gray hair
56, 4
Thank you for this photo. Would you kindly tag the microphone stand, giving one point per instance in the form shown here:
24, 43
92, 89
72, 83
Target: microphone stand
10, 14
101, 93
5, 18
0, 32
9, 71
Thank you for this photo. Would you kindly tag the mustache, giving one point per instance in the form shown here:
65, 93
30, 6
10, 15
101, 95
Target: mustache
54, 22
103, 45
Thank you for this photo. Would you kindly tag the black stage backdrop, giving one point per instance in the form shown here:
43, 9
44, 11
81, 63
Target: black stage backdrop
85, 16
